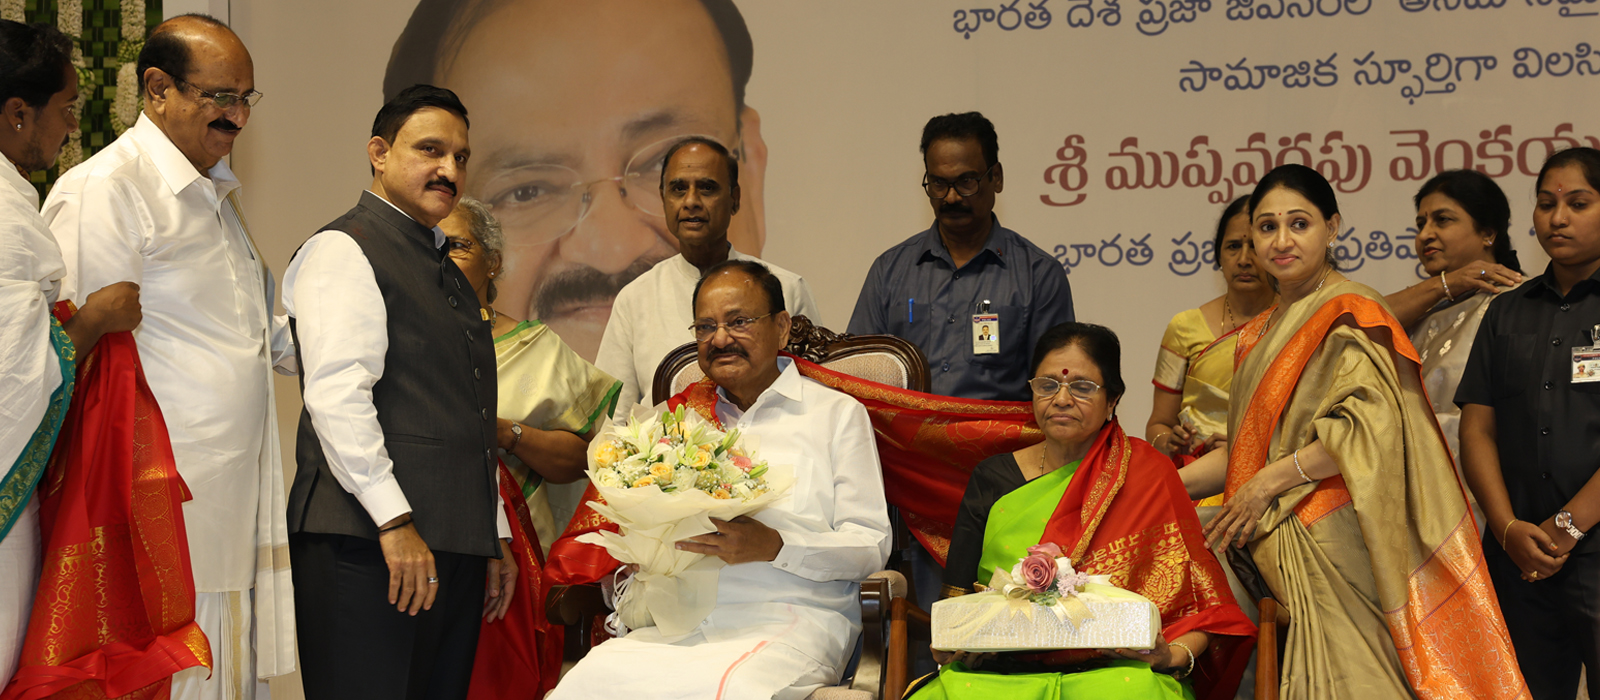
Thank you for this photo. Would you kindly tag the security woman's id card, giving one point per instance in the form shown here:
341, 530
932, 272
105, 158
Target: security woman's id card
1586, 360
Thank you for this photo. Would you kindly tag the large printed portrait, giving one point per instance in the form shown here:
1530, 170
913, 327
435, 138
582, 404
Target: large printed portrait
573, 105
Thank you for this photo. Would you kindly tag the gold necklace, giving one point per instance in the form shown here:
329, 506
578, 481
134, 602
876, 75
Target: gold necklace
1227, 317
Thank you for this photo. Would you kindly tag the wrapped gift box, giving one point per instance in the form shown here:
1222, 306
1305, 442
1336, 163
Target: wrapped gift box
989, 621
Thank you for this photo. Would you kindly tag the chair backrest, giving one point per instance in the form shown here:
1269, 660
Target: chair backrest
879, 358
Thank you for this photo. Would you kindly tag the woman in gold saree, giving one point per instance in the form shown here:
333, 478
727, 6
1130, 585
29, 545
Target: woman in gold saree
1194, 366
1341, 486
1114, 505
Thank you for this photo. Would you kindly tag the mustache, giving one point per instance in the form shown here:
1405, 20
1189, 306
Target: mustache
584, 284
734, 350
224, 124
443, 183
955, 208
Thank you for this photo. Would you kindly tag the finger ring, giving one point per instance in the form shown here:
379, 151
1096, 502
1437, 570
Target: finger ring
1533, 575
433, 579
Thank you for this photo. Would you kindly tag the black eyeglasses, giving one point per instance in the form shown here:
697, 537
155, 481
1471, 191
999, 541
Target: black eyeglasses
740, 327
1050, 387
966, 185
223, 100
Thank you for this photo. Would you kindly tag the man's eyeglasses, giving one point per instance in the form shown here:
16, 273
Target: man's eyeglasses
1049, 387
966, 185
740, 327
223, 100
539, 203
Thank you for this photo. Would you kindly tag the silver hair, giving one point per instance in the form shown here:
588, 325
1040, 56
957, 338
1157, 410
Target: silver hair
484, 227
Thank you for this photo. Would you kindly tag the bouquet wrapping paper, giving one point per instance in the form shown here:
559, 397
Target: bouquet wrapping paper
990, 621
672, 589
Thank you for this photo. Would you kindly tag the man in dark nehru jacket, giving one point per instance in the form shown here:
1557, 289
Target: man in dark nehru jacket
394, 518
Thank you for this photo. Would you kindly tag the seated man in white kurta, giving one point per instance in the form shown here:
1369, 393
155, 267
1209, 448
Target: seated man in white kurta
787, 614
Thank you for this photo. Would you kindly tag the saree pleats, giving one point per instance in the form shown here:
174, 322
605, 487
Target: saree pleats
1379, 567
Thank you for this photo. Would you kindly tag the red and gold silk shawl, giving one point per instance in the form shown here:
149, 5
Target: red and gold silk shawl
1126, 515
927, 445
1433, 592
521, 651
114, 614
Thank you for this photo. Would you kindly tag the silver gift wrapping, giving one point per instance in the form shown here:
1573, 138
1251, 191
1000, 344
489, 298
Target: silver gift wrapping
1121, 620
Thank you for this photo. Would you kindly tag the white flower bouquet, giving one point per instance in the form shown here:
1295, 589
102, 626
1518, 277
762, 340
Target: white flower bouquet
664, 475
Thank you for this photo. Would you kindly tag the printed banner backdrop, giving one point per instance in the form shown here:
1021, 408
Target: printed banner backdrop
1125, 126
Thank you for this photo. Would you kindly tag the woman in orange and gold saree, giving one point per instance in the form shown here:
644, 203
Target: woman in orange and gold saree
1115, 506
1340, 484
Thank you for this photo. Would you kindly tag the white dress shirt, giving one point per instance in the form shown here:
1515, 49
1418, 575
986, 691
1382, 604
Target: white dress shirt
650, 318
30, 281
835, 529
139, 211
343, 326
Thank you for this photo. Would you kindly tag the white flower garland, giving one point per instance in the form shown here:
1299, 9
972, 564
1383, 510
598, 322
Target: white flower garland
69, 19
125, 109
12, 10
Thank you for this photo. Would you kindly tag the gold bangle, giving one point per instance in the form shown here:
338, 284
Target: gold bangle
1158, 438
1506, 532
1184, 673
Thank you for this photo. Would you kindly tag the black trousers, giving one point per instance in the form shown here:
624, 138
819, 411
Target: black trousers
1554, 623
355, 645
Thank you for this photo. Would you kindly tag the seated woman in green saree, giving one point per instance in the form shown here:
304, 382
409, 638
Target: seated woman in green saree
1116, 507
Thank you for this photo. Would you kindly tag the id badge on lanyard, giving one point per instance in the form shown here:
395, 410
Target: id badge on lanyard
985, 331
1586, 360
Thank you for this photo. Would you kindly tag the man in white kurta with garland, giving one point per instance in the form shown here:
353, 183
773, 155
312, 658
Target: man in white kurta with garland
787, 614
38, 90
160, 208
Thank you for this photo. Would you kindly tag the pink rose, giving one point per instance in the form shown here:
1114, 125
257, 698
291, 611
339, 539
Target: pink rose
1038, 572
1046, 548
742, 462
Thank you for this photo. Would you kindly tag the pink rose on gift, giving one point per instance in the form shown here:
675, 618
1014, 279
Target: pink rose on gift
742, 462
1038, 571
1046, 548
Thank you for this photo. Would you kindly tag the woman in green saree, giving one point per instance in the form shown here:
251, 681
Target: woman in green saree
1116, 507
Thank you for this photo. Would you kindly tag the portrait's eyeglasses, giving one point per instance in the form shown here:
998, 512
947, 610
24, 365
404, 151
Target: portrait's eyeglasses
965, 186
1049, 387
543, 202
740, 327
223, 100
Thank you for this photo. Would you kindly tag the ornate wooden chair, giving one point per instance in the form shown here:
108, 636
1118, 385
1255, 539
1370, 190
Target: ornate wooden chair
879, 358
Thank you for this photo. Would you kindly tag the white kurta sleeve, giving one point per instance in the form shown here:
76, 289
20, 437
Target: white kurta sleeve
285, 360
859, 544
342, 324
804, 305
615, 356
102, 230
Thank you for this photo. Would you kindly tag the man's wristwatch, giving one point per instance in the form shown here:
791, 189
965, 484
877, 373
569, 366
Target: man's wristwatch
516, 431
1564, 521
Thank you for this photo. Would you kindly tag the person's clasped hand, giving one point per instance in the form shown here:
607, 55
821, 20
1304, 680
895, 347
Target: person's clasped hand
1533, 550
